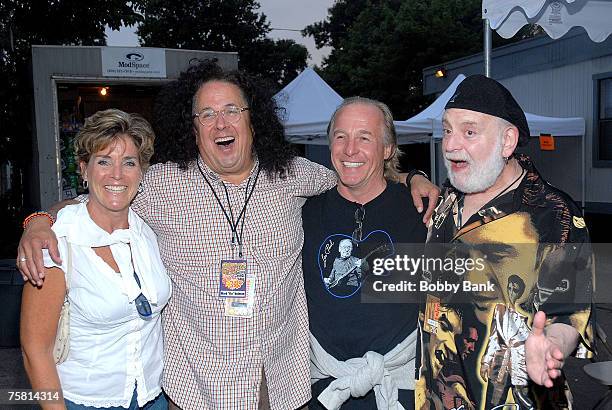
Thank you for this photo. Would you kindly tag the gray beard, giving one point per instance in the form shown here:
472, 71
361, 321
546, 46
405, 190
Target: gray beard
481, 176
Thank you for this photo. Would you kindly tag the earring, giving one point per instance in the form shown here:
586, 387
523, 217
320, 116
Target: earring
506, 159
85, 184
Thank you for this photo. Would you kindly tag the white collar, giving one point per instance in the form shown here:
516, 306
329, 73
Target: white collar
75, 224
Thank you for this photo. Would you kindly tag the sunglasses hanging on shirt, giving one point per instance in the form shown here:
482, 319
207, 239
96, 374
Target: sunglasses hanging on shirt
358, 231
142, 303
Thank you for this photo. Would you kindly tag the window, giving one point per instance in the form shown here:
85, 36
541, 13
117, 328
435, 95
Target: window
602, 126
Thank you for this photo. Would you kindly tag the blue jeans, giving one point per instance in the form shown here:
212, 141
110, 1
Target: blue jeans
158, 403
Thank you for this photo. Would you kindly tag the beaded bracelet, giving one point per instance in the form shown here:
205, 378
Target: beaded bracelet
29, 218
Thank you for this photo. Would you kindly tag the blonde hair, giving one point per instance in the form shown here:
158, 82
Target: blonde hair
391, 169
105, 127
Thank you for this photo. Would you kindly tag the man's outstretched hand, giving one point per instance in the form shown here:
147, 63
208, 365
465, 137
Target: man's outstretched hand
546, 349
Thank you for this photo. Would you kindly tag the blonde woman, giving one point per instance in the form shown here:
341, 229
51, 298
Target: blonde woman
118, 285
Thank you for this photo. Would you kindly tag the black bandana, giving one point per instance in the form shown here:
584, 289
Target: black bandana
482, 94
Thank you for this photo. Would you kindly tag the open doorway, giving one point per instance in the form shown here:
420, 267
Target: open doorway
77, 101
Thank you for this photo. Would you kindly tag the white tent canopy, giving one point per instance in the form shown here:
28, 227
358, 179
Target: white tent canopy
308, 103
412, 133
432, 118
556, 17
557, 126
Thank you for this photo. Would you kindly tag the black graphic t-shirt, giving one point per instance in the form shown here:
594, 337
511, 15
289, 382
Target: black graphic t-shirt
336, 267
536, 254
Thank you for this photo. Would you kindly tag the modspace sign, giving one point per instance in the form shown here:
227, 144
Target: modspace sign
133, 62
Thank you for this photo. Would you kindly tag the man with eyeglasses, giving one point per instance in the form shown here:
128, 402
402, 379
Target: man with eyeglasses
362, 354
227, 212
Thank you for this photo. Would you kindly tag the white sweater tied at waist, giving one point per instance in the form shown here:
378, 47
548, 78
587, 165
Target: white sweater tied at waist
357, 376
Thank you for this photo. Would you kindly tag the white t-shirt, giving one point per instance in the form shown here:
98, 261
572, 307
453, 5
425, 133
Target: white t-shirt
112, 348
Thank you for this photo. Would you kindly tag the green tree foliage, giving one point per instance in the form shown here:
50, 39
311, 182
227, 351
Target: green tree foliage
341, 17
222, 25
22, 24
380, 47
279, 60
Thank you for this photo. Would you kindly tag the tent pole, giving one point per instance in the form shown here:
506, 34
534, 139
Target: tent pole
487, 47
432, 160
432, 156
583, 193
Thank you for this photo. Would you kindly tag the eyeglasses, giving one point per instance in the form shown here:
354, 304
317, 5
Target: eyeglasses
142, 304
230, 114
359, 217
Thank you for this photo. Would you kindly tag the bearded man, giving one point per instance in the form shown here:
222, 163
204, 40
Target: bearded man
498, 208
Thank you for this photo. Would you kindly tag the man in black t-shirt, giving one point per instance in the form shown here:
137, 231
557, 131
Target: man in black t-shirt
362, 354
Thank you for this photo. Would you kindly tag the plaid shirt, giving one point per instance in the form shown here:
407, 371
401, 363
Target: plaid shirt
215, 361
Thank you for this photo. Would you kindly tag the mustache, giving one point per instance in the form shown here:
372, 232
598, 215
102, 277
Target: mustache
458, 156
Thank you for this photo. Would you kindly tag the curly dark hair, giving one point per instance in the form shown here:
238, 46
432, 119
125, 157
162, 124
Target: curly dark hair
173, 121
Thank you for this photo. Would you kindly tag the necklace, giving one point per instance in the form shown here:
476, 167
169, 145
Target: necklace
509, 186
461, 200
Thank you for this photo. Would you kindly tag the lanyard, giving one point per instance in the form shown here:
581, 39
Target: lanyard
236, 239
